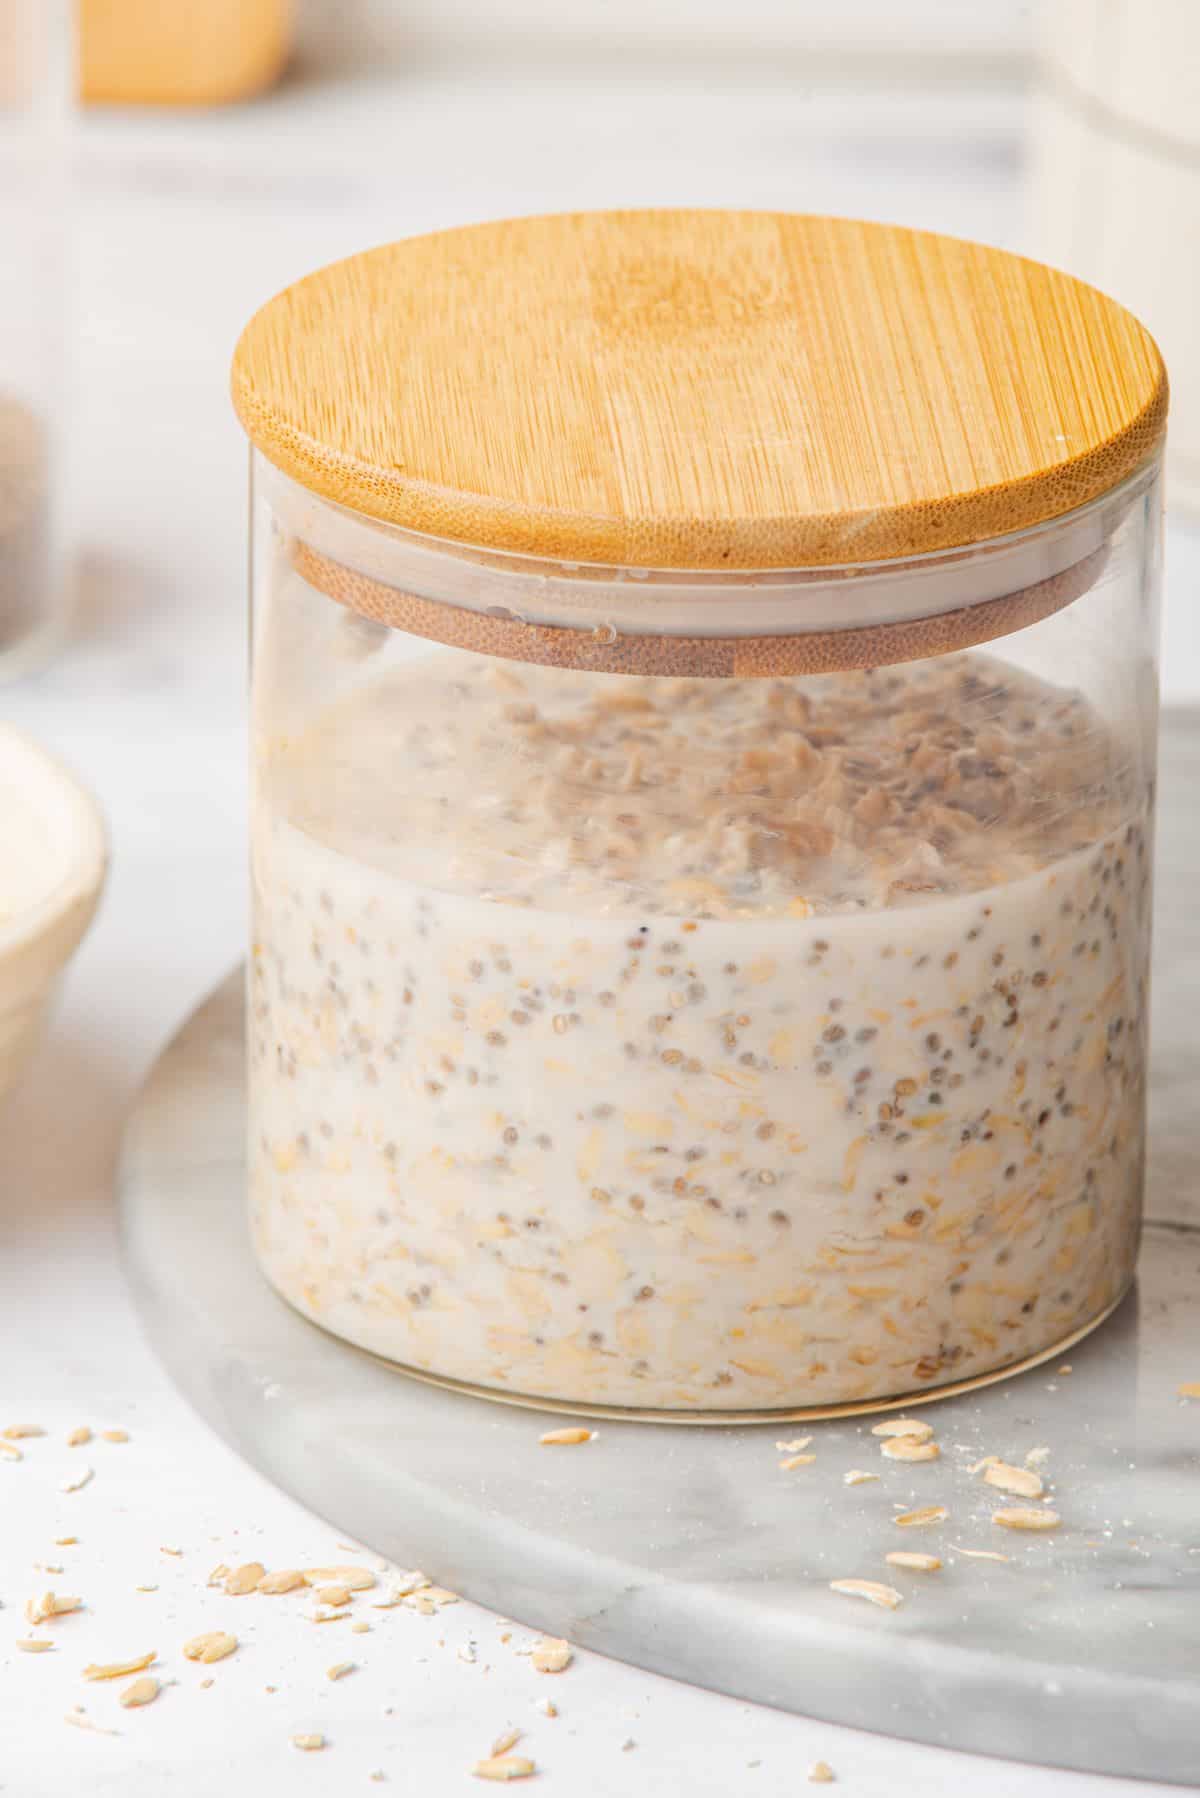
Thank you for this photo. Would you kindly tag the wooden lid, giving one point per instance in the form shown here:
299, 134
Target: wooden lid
692, 389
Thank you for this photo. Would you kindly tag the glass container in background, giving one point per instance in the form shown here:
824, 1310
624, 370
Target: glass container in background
36, 75
145, 53
704, 718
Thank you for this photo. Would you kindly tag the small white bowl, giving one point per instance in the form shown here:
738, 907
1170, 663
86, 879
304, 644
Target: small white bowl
53, 860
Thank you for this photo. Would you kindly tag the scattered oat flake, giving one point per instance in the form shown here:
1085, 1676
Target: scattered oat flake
1189, 1389
11, 1450
334, 1596
552, 1655
871, 1590
359, 1629
339, 1669
857, 1476
17, 1432
1037, 1457
244, 1579
65, 1541
309, 1744
46, 1567
909, 1448
506, 1740
548, 1707
794, 1447
1021, 1481
118, 1669
981, 1554
145, 1588
177, 1552
38, 1610
142, 1691
504, 1766
916, 1520
355, 1579
205, 1684
565, 1438
796, 1461
78, 1720
903, 1426
901, 1557
1067, 1368
79, 1480
218, 1574
115, 1435
821, 1773
1024, 1517
78, 1437
285, 1579
34, 1645
212, 1646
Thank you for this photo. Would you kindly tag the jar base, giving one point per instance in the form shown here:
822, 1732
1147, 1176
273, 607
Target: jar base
903, 1401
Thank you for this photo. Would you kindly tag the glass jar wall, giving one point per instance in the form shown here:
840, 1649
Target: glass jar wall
631, 1030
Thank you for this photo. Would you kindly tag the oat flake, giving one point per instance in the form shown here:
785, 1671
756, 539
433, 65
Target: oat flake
900, 1557
858, 1477
286, 1579
565, 1438
1021, 1517
34, 1645
309, 1744
1021, 1481
915, 1520
118, 1669
244, 1579
504, 1766
214, 1645
909, 1448
142, 1691
506, 1740
552, 1655
871, 1590
903, 1426
821, 1773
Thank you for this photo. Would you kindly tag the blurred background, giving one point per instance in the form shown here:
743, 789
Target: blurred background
228, 146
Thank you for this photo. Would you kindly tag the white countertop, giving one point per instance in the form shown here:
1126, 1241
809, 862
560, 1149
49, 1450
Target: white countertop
186, 226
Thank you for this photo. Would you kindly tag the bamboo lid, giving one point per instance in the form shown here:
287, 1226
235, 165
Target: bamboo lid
703, 390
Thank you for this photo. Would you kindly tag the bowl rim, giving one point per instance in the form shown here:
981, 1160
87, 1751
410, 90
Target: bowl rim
83, 845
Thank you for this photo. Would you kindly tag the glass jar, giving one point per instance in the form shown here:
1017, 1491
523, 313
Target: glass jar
35, 75
710, 982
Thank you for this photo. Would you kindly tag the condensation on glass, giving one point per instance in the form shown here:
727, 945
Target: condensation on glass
35, 88
675, 992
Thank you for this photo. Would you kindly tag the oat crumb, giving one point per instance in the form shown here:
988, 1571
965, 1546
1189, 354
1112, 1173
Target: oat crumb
65, 1541
115, 1435
1037, 1457
78, 1437
78, 1481
10, 1450
796, 1461
18, 1432
77, 1720
507, 1739
354, 1579
901, 1557
794, 1447
565, 1438
40, 1610
34, 1645
339, 1669
858, 1476
980, 1554
1022, 1482
176, 1552
821, 1773
359, 1629
309, 1744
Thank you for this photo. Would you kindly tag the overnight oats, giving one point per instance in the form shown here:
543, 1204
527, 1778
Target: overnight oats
704, 693
743, 1045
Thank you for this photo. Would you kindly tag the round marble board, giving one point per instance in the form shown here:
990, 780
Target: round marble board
690, 1551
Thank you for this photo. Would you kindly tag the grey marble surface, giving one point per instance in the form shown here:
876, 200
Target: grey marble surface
690, 1551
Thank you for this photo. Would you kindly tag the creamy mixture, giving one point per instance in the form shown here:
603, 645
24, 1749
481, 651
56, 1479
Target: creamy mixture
699, 1044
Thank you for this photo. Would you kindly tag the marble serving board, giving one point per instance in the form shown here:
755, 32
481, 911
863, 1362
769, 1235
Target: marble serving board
691, 1552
